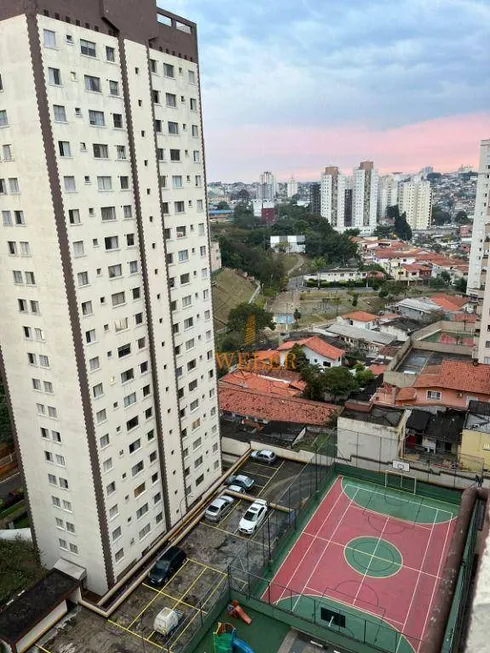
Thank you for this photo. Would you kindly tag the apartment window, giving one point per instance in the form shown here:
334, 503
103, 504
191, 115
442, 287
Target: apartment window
111, 488
132, 423
98, 390
54, 76
127, 375
56, 435
96, 118
116, 533
104, 441
142, 511
121, 325
121, 152
193, 104
136, 293
14, 185
73, 548
94, 363
124, 181
189, 344
134, 446
34, 305
156, 99
104, 183
43, 360
55, 500
3, 118
87, 308
198, 462
113, 87
130, 399
173, 127
138, 318
18, 276
195, 131
168, 70
115, 271
90, 336
82, 278
107, 465
101, 151
194, 405
144, 367
124, 350
183, 255
92, 84
179, 207
192, 385
171, 100
153, 65
185, 278
78, 249
63, 544
67, 505
136, 469
161, 154
119, 555
433, 394
74, 216
49, 38
144, 531
192, 77
117, 120
188, 323
63, 483
70, 186
174, 155
127, 211
113, 511
133, 267
130, 240
7, 152
118, 298
196, 424
7, 218
200, 205
88, 48
196, 156
110, 54
202, 250
36, 384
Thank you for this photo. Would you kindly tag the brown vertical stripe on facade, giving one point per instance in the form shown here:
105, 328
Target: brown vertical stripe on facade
144, 274
57, 199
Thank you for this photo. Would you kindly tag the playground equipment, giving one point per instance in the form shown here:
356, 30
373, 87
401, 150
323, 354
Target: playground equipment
236, 611
167, 620
226, 641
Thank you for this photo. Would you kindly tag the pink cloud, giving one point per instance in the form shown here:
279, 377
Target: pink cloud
244, 152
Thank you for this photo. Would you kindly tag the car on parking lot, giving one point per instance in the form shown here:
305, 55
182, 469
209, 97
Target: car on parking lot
243, 481
219, 508
166, 566
236, 488
254, 516
264, 456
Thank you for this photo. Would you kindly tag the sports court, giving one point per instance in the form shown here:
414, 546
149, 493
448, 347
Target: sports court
368, 562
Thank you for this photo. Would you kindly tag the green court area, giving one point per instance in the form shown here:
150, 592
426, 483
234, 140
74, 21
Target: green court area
347, 620
372, 556
401, 504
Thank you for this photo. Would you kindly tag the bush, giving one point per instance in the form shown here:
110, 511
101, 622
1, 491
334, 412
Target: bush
20, 566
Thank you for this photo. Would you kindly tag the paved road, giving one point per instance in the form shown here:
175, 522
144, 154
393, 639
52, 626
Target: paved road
9, 484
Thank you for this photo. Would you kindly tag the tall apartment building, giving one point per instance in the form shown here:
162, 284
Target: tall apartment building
365, 197
333, 197
387, 194
415, 199
106, 327
291, 187
315, 199
481, 217
267, 187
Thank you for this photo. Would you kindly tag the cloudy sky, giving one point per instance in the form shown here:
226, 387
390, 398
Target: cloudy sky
294, 85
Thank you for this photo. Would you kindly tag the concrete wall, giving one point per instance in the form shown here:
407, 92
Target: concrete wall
365, 439
48, 621
477, 444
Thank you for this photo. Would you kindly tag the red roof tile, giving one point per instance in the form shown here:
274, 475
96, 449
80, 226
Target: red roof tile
317, 345
449, 302
377, 369
261, 405
406, 394
253, 381
457, 375
360, 316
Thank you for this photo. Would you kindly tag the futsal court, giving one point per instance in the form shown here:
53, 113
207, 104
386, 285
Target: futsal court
369, 562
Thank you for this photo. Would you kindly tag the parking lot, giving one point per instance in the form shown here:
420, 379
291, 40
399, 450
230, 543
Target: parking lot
194, 589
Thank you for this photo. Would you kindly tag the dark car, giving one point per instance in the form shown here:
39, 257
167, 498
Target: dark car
166, 566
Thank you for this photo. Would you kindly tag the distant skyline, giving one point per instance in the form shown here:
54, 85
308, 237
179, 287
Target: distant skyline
294, 86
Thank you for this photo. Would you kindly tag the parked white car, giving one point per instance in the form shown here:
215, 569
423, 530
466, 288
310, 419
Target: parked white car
236, 488
218, 508
264, 456
254, 516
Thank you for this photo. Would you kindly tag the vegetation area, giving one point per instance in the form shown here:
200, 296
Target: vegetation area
20, 566
230, 288
245, 329
245, 243
332, 382
5, 424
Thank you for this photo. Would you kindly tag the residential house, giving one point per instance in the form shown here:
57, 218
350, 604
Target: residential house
434, 433
358, 319
362, 339
401, 327
475, 437
273, 383
317, 351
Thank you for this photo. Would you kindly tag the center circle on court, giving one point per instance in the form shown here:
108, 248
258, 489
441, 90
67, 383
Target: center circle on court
373, 556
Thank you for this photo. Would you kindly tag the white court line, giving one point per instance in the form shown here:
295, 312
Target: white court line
443, 558
325, 549
369, 563
342, 494
416, 585
351, 548
417, 503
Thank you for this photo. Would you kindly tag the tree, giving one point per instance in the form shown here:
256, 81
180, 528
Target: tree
461, 285
439, 216
20, 566
223, 206
338, 381
433, 176
355, 299
383, 231
317, 265
249, 320
446, 277
401, 226
5, 423
297, 315
462, 218
363, 376
296, 360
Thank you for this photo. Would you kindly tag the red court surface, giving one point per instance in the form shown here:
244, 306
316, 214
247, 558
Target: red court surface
317, 564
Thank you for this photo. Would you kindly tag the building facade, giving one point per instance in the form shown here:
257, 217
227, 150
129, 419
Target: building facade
291, 187
415, 199
387, 194
315, 199
267, 187
481, 218
333, 197
106, 330
365, 198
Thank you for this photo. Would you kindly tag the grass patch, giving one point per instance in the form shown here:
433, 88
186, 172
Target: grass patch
229, 290
20, 566
13, 509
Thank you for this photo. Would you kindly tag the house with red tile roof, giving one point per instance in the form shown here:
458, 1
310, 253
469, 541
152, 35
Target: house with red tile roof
450, 302
243, 404
273, 383
359, 319
317, 351
452, 384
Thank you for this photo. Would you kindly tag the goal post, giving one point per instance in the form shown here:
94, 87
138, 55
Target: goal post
400, 481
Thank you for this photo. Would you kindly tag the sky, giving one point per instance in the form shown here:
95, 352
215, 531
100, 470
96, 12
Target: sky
294, 85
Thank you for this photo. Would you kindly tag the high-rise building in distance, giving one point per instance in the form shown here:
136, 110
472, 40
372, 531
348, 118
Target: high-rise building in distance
333, 197
481, 218
291, 187
266, 188
365, 197
106, 329
387, 194
314, 199
415, 199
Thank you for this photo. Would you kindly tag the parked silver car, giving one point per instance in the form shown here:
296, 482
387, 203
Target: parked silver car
264, 456
218, 508
245, 482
